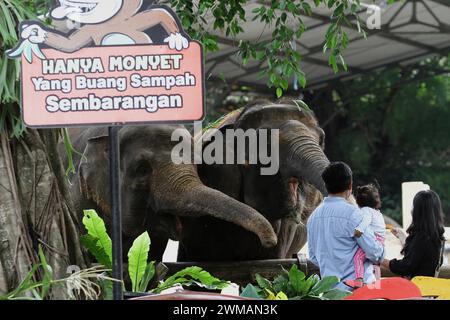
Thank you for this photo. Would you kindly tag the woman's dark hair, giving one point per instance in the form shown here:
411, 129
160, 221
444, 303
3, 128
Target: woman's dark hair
427, 217
337, 177
368, 196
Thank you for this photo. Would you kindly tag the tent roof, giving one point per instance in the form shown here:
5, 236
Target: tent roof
411, 30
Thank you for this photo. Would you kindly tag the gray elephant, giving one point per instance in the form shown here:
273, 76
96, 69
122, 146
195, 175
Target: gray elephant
286, 199
157, 195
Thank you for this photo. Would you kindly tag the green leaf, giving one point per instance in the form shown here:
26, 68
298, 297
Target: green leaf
280, 283
148, 276
344, 65
291, 7
336, 294
269, 295
137, 259
69, 152
301, 104
332, 63
47, 277
339, 10
324, 285
281, 296
25, 285
190, 276
330, 3
307, 8
107, 289
263, 282
297, 279
36, 294
279, 92
91, 244
284, 84
250, 291
96, 229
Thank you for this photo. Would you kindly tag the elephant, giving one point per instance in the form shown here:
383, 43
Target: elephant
156, 193
285, 199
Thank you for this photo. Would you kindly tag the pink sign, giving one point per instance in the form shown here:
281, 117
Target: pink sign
126, 62
113, 85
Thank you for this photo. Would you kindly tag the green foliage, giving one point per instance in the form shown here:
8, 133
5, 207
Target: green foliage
98, 243
141, 271
280, 295
12, 12
69, 152
280, 54
38, 289
192, 276
148, 275
302, 104
39, 282
107, 289
137, 260
278, 57
251, 291
97, 240
47, 276
294, 285
394, 127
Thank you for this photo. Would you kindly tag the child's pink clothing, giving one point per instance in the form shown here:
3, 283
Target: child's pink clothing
360, 258
374, 219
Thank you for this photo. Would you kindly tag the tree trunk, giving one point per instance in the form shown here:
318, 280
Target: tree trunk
35, 209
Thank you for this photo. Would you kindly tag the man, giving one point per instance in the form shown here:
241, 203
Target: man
331, 229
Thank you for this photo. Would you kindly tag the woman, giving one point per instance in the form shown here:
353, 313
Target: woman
423, 246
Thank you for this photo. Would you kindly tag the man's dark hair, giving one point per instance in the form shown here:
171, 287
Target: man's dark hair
368, 196
337, 177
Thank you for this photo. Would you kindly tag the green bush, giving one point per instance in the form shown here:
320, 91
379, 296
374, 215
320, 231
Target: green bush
294, 285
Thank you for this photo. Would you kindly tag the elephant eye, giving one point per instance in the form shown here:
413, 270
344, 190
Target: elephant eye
140, 176
143, 169
140, 169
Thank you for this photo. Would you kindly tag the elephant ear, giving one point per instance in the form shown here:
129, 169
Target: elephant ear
223, 177
94, 172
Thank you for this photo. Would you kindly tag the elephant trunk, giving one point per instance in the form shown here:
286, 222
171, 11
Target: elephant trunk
188, 197
306, 159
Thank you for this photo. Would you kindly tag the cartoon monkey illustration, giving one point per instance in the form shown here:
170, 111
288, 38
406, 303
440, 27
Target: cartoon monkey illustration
106, 22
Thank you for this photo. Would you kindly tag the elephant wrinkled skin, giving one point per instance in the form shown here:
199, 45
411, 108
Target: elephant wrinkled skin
157, 195
286, 199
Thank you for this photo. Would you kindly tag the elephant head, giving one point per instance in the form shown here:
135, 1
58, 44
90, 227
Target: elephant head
288, 197
301, 161
158, 194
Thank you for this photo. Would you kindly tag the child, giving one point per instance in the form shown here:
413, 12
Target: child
368, 199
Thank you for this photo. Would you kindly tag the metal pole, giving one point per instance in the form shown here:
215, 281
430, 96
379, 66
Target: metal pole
114, 165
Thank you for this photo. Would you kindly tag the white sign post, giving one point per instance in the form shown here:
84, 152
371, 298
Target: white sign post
409, 190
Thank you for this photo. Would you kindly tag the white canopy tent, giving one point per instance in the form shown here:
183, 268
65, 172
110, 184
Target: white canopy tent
410, 30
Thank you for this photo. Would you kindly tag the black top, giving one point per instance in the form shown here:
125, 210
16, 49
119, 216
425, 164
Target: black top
421, 257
